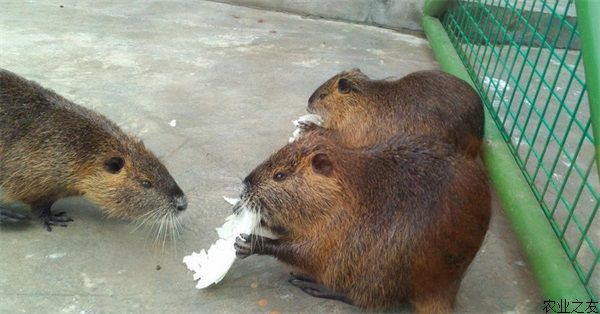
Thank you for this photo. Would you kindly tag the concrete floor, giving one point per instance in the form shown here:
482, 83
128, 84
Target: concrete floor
233, 78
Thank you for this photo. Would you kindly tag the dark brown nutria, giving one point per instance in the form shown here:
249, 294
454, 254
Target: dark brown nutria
365, 111
398, 221
51, 148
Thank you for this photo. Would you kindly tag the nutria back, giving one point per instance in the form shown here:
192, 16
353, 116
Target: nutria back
397, 221
366, 111
52, 148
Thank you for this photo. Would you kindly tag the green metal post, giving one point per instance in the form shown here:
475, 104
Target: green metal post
435, 8
588, 12
552, 268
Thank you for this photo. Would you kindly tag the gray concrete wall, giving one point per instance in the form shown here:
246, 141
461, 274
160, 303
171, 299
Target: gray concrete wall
394, 14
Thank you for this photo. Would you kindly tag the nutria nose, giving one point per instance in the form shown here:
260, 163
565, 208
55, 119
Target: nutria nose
312, 98
181, 203
245, 187
247, 181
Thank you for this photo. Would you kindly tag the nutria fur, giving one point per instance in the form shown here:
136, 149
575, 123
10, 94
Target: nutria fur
398, 221
366, 111
51, 148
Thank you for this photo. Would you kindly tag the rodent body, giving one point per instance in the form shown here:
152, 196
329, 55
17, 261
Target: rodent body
51, 148
365, 112
397, 221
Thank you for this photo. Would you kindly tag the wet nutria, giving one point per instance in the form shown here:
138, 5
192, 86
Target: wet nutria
398, 221
51, 148
365, 111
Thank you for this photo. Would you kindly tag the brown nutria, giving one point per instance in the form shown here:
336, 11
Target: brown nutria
51, 148
398, 221
365, 111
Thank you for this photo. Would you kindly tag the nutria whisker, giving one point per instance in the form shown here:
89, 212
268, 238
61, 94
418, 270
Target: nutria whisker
147, 217
174, 230
162, 226
159, 231
178, 226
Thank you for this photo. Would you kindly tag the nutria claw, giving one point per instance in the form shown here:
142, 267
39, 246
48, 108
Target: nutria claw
307, 125
244, 246
60, 219
248, 244
318, 290
301, 276
8, 216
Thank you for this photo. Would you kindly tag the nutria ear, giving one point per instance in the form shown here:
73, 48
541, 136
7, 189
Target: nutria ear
345, 85
321, 164
114, 164
356, 70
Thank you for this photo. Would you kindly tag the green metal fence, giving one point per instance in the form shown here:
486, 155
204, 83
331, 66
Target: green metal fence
536, 65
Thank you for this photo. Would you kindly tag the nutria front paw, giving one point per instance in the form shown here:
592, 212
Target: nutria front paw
248, 244
303, 127
9, 216
243, 246
49, 219
306, 125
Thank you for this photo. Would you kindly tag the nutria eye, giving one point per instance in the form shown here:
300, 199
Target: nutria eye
147, 184
279, 176
344, 86
321, 96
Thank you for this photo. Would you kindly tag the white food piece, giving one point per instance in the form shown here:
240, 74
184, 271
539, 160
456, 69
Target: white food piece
212, 265
231, 201
312, 118
173, 123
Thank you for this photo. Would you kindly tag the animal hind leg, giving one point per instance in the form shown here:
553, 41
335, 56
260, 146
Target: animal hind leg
315, 289
438, 302
302, 276
11, 217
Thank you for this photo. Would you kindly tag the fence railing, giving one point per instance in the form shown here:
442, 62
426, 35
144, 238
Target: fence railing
536, 65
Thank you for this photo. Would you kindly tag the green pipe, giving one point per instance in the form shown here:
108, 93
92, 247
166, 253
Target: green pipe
552, 269
435, 8
443, 49
588, 13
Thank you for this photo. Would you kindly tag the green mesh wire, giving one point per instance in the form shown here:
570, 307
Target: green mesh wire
525, 60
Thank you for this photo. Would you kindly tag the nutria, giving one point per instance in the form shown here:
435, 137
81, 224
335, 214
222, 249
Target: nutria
398, 221
366, 111
51, 148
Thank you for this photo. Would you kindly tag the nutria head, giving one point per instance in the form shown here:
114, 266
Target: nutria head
340, 96
127, 181
295, 187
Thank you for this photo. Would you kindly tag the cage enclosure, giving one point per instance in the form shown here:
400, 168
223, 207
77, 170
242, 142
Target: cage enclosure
536, 65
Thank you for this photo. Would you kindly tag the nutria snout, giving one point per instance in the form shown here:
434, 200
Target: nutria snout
181, 204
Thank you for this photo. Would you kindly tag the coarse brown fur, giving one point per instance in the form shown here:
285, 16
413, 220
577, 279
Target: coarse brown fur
399, 221
51, 148
365, 111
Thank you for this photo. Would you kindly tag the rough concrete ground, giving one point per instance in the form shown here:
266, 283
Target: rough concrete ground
232, 78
